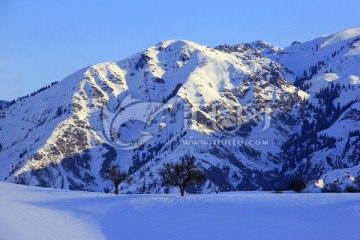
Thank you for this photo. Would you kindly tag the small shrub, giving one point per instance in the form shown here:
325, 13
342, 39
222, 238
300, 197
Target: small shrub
107, 189
278, 190
297, 186
351, 189
331, 188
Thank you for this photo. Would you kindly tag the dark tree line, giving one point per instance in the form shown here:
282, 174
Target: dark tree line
308, 74
302, 145
29, 95
173, 93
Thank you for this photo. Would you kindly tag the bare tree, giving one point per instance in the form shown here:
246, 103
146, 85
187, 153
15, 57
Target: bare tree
117, 177
182, 174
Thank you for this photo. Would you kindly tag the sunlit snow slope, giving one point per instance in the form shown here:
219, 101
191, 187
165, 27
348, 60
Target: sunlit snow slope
301, 105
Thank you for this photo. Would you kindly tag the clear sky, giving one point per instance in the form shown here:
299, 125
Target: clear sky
42, 41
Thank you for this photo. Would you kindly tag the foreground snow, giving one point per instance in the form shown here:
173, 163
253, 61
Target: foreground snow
37, 213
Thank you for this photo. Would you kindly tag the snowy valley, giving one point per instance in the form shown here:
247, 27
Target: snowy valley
59, 214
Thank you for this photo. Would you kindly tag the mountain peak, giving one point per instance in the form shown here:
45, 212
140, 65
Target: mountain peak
264, 47
176, 43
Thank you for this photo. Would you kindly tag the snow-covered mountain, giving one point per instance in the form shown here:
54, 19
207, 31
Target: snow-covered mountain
264, 48
2, 103
254, 115
328, 69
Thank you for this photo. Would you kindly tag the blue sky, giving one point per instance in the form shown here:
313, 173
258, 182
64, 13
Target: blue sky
42, 41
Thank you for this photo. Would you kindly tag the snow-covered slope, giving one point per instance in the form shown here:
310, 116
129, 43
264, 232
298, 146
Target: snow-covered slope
29, 213
337, 53
328, 68
287, 124
2, 103
58, 143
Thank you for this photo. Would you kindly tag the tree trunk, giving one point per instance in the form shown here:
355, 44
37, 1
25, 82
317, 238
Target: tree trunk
182, 192
117, 189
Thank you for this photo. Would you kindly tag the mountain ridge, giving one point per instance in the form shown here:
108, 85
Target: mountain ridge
58, 141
